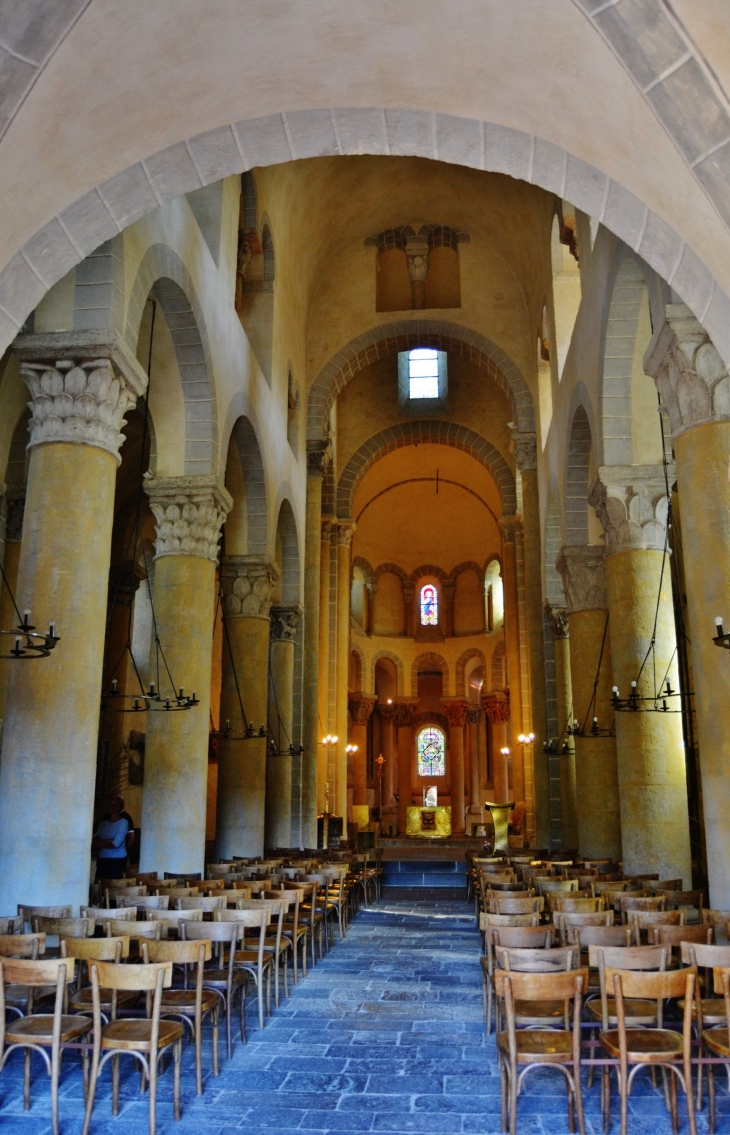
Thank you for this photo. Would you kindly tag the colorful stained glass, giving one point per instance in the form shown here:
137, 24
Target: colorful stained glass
429, 606
431, 749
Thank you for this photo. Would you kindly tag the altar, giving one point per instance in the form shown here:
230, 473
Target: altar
428, 822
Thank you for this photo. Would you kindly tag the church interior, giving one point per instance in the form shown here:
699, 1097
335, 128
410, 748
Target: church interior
365, 549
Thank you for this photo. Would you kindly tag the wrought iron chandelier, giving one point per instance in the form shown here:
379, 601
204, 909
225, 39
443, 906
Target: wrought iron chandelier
29, 643
594, 729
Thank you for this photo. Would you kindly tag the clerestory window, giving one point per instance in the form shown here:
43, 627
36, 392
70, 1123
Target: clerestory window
423, 373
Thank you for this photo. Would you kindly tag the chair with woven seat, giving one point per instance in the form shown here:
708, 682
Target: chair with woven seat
145, 1039
95, 950
38, 1032
531, 1048
222, 978
635, 1047
510, 937
259, 962
191, 1006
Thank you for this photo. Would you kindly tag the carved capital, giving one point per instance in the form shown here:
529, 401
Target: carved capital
524, 449
631, 503
496, 706
405, 712
319, 454
15, 511
473, 714
584, 578
361, 707
328, 525
284, 622
558, 619
345, 532
247, 583
387, 710
189, 512
510, 526
81, 386
456, 711
688, 371
417, 257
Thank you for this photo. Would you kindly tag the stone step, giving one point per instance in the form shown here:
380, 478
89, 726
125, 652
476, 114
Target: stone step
424, 873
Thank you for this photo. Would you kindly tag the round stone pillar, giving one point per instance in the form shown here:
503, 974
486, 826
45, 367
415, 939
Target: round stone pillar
694, 386
324, 659
345, 530
14, 509
318, 456
564, 699
496, 706
247, 583
189, 512
47, 773
284, 623
473, 719
524, 448
114, 727
361, 708
596, 770
405, 710
632, 505
456, 711
387, 714
508, 525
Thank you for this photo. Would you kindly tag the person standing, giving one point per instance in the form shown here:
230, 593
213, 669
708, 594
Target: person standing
110, 842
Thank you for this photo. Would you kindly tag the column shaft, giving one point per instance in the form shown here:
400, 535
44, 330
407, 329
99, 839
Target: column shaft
344, 537
536, 646
317, 460
281, 716
564, 699
11, 560
456, 711
386, 719
324, 650
496, 706
512, 644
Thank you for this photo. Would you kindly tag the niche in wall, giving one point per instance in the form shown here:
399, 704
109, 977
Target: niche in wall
417, 268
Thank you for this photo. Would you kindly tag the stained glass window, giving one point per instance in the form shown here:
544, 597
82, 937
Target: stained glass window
429, 606
431, 749
423, 373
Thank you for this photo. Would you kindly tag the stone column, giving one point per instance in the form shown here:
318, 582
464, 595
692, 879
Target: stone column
345, 531
632, 505
405, 710
524, 448
564, 698
284, 623
473, 715
387, 714
361, 707
596, 772
81, 385
247, 583
189, 512
508, 525
318, 456
695, 389
456, 711
324, 652
123, 585
496, 705
14, 509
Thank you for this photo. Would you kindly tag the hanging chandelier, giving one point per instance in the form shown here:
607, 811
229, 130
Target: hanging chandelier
590, 731
151, 700
29, 643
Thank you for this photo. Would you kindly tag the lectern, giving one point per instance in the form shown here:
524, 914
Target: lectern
500, 819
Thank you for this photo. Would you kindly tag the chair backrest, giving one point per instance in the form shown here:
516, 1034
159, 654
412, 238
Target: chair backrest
28, 913
12, 924
74, 927
609, 889
669, 885
628, 957
155, 902
17, 971
177, 892
486, 920
210, 931
142, 978
501, 905
646, 918
714, 917
113, 928
96, 949
556, 886
700, 954
127, 892
585, 936
540, 960
573, 905
201, 904
185, 952
657, 985
521, 937
259, 916
525, 987
690, 899
22, 945
102, 913
564, 919
173, 917
675, 935
629, 902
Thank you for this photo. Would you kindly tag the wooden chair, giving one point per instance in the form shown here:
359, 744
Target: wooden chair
510, 937
154, 902
310, 915
500, 905
570, 904
556, 886
278, 945
118, 928
259, 963
640, 1047
638, 902
232, 895
645, 920
13, 924
202, 904
486, 920
222, 979
28, 913
293, 930
145, 1039
110, 892
609, 887
38, 1032
711, 917
687, 900
191, 1006
19, 999
714, 1040
544, 1014
172, 918
539, 1048
86, 950
565, 919
71, 927
102, 914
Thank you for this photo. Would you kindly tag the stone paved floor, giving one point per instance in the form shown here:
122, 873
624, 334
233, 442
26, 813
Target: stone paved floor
384, 1035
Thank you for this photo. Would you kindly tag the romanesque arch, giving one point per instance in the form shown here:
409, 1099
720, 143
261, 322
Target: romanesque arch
399, 669
461, 664
429, 658
576, 479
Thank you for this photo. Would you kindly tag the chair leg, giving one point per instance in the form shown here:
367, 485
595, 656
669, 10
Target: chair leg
115, 1085
153, 1092
260, 989
242, 1011
26, 1080
177, 1055
711, 1094
91, 1092
276, 982
198, 1056
229, 1011
624, 1093
216, 1013
286, 973
505, 1089
673, 1101
55, 1070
